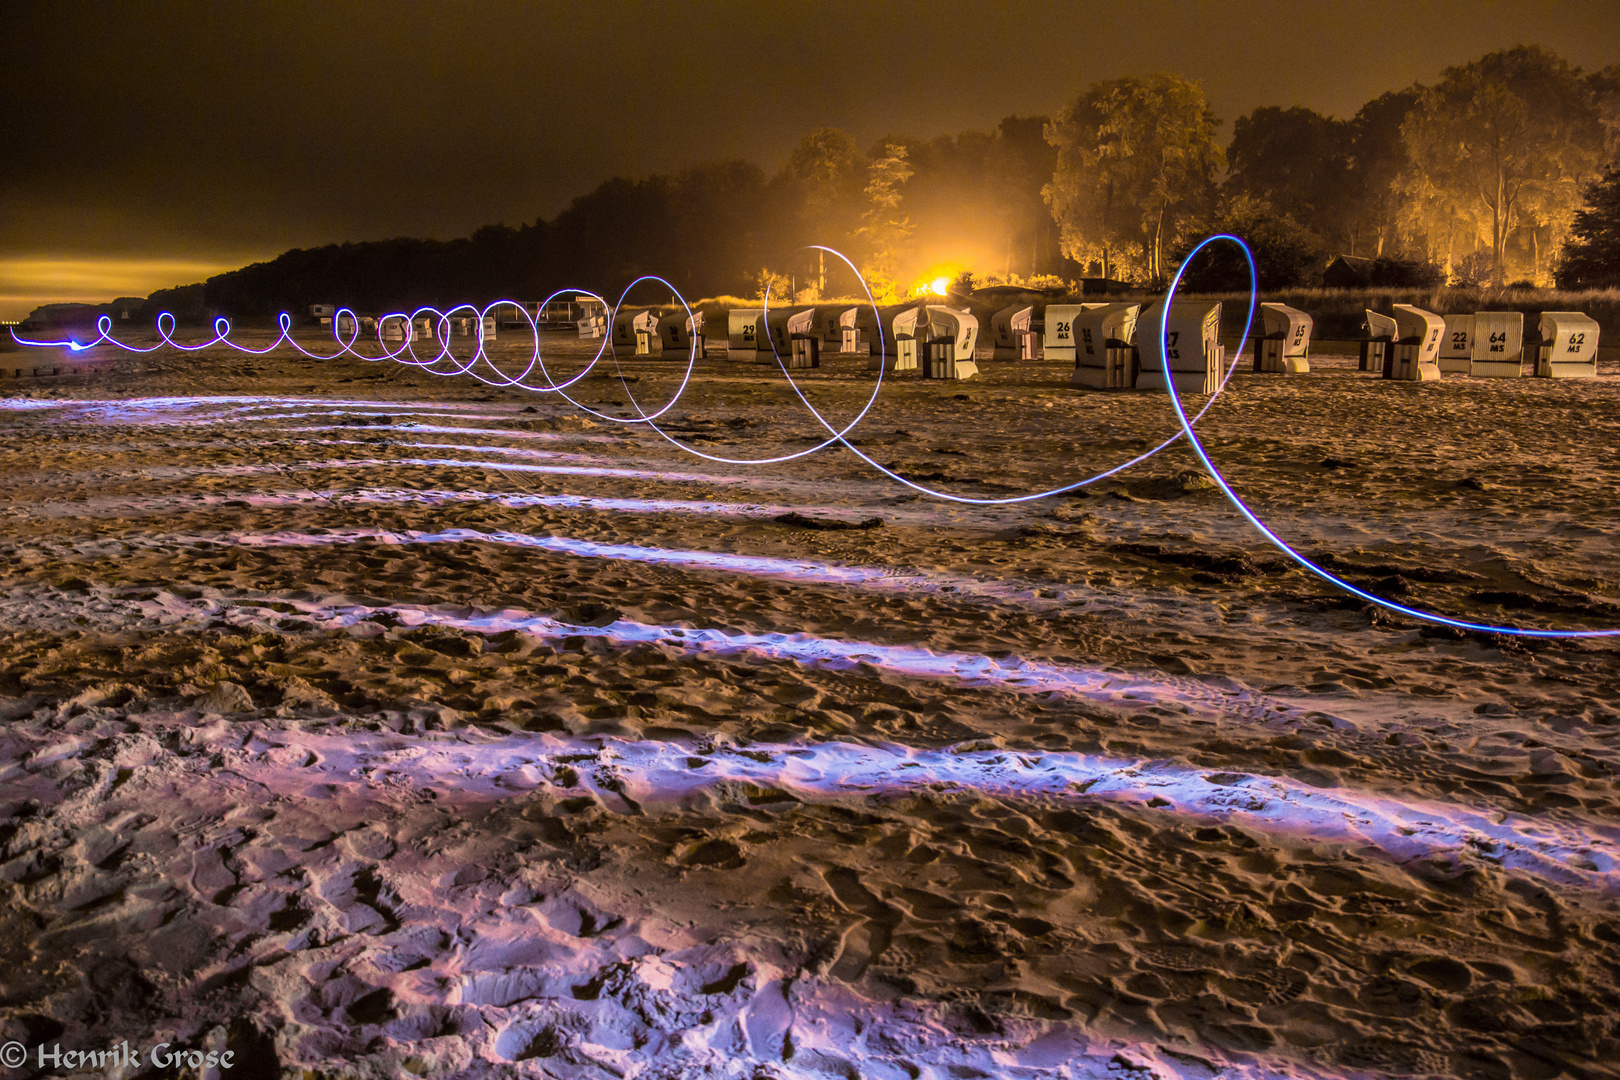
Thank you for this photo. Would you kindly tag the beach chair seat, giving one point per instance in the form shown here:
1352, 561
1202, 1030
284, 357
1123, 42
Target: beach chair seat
1191, 344
1103, 358
1569, 346
1415, 354
1285, 346
1496, 347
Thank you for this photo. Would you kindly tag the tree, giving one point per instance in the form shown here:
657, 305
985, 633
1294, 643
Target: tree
885, 226
1286, 254
1471, 271
1592, 255
768, 283
1377, 159
1513, 133
1135, 157
720, 222
1023, 162
1298, 162
1605, 89
823, 180
1437, 220
974, 200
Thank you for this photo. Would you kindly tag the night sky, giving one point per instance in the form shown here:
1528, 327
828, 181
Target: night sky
151, 145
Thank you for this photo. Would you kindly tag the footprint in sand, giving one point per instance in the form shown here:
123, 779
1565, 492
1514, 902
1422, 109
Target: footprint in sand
866, 940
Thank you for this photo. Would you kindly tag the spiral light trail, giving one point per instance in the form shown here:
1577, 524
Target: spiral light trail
444, 363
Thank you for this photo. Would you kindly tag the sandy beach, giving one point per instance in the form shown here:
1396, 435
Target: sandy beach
373, 723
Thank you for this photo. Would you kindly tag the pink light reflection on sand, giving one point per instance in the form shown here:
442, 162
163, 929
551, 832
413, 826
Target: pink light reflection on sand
1557, 851
655, 775
796, 570
435, 497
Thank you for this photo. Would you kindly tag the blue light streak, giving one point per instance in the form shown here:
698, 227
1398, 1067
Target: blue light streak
838, 436
1265, 530
797, 571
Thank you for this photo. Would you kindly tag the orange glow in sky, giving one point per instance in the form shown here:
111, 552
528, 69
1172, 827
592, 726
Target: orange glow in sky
26, 283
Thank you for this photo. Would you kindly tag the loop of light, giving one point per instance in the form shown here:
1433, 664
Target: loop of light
1265, 530
439, 320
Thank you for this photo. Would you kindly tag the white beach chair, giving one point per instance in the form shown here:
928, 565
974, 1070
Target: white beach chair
1416, 352
1103, 359
1192, 344
1375, 351
1285, 347
951, 338
1569, 346
745, 333
1497, 348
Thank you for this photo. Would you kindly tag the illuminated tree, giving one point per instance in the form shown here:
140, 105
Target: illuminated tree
1510, 134
1286, 254
1605, 88
1440, 222
1135, 157
974, 200
719, 227
767, 282
885, 226
1022, 162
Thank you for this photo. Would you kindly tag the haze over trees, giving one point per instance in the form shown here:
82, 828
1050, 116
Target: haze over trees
1481, 177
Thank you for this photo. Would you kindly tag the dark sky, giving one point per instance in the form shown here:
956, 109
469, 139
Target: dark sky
147, 144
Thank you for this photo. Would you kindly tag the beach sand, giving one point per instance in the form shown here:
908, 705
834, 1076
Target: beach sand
373, 723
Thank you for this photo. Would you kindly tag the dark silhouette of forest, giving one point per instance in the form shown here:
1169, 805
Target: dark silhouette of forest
711, 230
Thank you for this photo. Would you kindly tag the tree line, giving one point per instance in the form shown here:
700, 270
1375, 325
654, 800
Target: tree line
1494, 174
1479, 178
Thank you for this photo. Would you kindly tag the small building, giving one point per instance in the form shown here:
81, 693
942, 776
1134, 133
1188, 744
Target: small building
1347, 272
1101, 286
516, 315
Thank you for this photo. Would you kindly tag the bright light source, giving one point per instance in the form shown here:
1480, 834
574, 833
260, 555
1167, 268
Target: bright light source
940, 285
